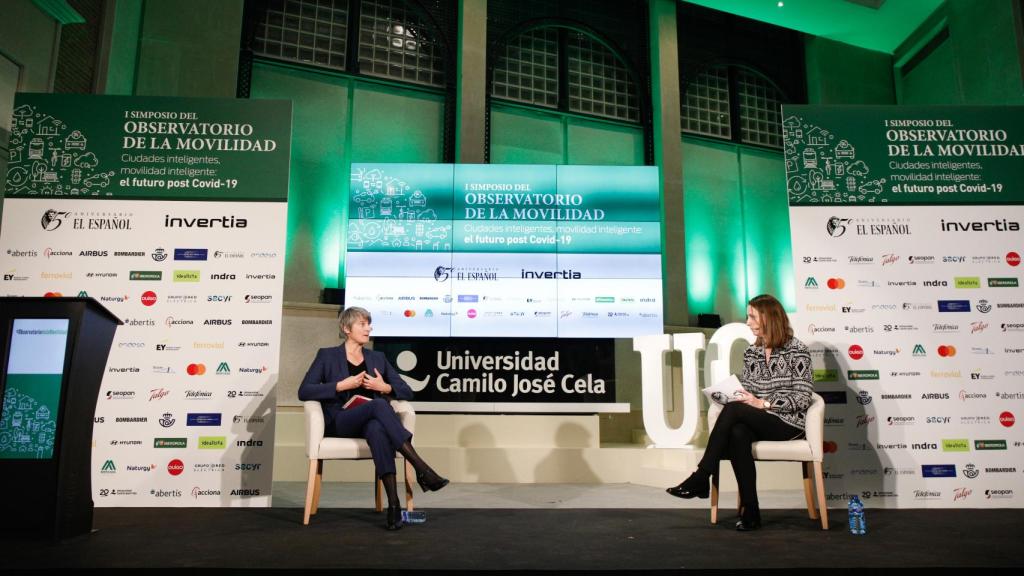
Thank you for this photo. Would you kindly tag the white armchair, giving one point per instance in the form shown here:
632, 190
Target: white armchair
808, 451
319, 448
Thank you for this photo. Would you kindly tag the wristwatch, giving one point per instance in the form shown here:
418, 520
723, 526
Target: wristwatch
766, 404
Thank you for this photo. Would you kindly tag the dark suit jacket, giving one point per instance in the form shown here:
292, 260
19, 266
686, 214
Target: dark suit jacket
330, 367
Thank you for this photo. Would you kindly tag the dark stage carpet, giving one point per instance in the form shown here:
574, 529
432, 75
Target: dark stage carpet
502, 539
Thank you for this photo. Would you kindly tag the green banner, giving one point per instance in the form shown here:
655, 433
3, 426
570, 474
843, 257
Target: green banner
902, 155
121, 147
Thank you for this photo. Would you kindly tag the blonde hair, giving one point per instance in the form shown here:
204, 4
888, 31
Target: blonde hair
775, 328
349, 316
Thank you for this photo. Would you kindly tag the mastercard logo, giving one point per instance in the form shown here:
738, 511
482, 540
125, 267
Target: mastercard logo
149, 298
196, 369
175, 467
836, 283
947, 351
53, 295
856, 352
410, 313
830, 447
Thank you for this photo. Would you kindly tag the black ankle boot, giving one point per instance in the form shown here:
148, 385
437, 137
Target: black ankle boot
394, 518
698, 485
750, 518
430, 481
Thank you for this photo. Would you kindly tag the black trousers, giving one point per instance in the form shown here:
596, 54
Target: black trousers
377, 422
738, 426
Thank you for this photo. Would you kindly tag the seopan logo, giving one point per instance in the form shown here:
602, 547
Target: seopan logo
223, 368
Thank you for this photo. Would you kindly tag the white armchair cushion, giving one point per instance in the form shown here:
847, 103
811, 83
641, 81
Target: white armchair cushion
320, 448
808, 449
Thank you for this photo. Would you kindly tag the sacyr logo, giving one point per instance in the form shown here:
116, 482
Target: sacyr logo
836, 283
856, 352
148, 298
175, 467
1012, 258
1007, 419
196, 369
223, 368
836, 226
947, 351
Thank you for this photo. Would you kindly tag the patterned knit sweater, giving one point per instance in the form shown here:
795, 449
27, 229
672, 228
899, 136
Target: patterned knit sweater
785, 380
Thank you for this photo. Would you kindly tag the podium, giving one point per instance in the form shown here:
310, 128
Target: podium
54, 354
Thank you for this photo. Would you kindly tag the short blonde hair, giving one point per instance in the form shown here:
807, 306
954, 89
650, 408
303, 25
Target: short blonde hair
775, 328
349, 316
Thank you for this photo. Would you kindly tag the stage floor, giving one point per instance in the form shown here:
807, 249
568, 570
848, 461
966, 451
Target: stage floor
523, 527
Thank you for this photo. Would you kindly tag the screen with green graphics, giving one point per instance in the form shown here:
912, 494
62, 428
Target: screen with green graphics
506, 250
35, 370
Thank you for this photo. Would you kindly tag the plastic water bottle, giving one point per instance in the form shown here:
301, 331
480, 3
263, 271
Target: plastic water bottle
858, 525
414, 516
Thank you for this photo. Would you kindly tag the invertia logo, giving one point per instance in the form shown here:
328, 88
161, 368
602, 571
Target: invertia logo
993, 225
220, 222
856, 352
1007, 419
1012, 258
148, 298
836, 284
947, 351
175, 467
196, 369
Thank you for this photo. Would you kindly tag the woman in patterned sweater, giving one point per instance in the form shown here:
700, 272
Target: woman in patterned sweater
778, 385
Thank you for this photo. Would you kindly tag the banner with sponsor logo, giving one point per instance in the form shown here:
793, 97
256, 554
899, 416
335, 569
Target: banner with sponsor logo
529, 251
172, 213
906, 230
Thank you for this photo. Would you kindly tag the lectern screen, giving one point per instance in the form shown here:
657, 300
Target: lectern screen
35, 370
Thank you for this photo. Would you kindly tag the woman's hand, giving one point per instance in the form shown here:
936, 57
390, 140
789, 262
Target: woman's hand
350, 383
376, 383
751, 400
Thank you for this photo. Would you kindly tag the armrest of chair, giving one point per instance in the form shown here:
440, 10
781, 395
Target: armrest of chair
406, 414
815, 426
314, 428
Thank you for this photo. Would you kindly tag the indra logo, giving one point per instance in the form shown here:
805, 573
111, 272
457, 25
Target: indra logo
442, 273
836, 226
863, 398
52, 219
1013, 258
175, 467
856, 352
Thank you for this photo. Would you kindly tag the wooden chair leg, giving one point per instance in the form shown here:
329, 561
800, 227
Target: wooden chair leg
310, 488
819, 479
808, 491
410, 474
319, 485
714, 500
378, 489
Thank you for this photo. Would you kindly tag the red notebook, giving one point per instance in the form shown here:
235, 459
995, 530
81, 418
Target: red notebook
356, 400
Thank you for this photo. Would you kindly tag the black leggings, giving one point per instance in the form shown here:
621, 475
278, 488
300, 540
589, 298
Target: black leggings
737, 427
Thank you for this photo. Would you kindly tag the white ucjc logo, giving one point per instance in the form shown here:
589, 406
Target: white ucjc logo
653, 376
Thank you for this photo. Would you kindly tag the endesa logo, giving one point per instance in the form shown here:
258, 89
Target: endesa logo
856, 352
190, 253
148, 298
175, 467
1013, 258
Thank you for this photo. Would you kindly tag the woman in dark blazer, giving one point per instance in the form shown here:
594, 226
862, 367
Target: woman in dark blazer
336, 375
